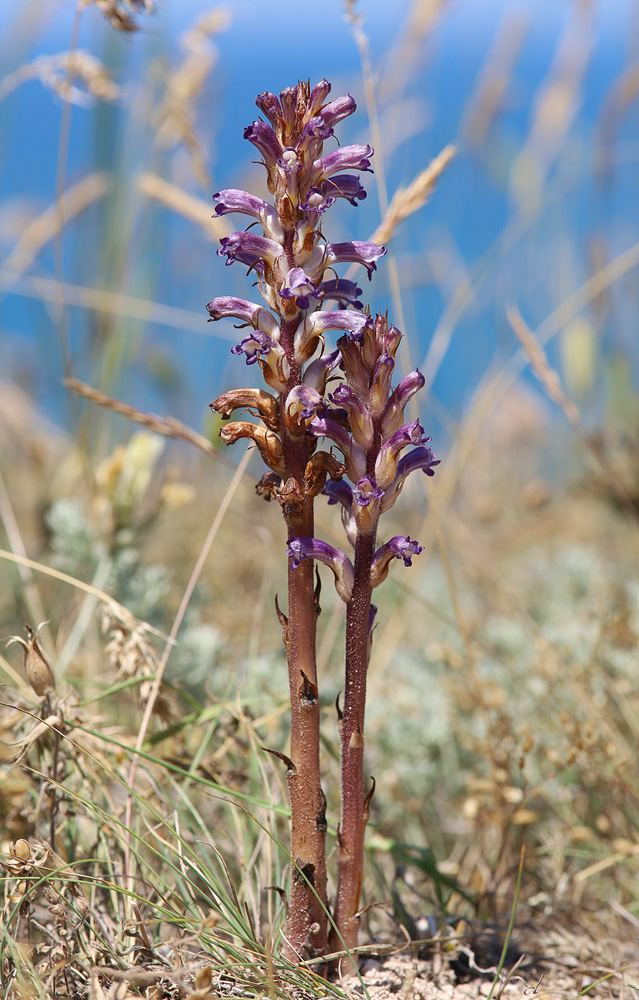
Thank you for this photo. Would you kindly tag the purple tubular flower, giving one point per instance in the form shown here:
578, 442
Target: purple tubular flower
386, 464
354, 454
288, 100
394, 411
313, 548
399, 547
235, 200
317, 129
265, 140
270, 106
316, 374
382, 375
419, 458
338, 109
249, 312
345, 158
342, 290
359, 417
318, 323
339, 492
357, 252
346, 186
319, 94
250, 249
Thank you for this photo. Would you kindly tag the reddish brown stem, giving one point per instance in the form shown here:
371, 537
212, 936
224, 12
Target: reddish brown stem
353, 813
306, 925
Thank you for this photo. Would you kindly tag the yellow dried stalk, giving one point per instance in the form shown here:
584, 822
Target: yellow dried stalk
408, 200
49, 224
552, 384
116, 13
495, 79
167, 426
58, 73
174, 119
195, 209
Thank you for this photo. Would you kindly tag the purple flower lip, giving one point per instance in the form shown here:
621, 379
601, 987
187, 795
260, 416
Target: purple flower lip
356, 252
388, 457
250, 249
313, 548
305, 401
317, 201
399, 547
256, 344
404, 548
346, 186
341, 290
418, 458
366, 491
339, 492
297, 285
315, 325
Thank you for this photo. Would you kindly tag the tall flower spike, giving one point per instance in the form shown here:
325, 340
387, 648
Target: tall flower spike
296, 276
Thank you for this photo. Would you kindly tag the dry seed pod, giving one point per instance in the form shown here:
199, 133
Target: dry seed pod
37, 668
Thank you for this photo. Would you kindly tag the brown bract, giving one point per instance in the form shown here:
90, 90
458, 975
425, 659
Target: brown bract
268, 443
257, 401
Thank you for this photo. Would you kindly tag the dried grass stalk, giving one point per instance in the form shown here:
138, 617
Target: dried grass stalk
58, 73
49, 224
408, 200
117, 14
167, 426
175, 116
552, 384
195, 209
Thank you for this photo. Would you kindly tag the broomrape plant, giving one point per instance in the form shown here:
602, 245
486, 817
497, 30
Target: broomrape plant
363, 415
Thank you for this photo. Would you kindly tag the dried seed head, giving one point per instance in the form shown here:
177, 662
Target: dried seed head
37, 668
21, 849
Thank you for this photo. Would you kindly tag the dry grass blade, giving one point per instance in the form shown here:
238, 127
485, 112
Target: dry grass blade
116, 14
495, 79
194, 209
58, 71
175, 118
167, 426
111, 303
49, 224
179, 618
407, 201
552, 384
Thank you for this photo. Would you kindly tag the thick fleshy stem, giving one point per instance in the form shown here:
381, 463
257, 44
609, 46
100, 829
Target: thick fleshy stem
354, 812
306, 926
